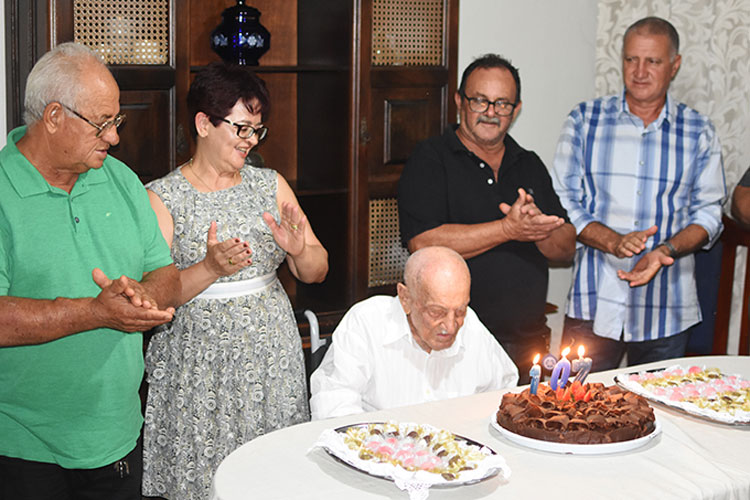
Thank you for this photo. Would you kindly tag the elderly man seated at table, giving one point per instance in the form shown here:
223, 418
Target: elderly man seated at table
424, 345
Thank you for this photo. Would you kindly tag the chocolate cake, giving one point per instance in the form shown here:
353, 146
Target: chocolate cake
588, 414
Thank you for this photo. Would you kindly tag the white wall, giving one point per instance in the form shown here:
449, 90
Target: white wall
552, 43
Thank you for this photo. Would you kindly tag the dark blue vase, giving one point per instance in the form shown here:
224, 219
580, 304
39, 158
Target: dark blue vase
240, 38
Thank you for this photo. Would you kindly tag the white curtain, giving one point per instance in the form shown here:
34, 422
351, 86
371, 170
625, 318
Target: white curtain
714, 77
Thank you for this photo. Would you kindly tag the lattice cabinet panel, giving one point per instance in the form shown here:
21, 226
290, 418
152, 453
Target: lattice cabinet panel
124, 31
407, 32
387, 256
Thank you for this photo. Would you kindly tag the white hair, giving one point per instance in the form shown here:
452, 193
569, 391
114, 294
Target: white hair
56, 77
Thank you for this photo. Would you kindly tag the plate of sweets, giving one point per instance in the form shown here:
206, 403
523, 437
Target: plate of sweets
696, 390
579, 419
414, 456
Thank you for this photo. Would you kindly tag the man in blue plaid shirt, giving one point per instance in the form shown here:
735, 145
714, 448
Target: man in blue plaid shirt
642, 180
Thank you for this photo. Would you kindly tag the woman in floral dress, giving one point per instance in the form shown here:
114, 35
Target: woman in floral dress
229, 367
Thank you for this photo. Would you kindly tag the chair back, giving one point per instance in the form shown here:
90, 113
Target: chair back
733, 236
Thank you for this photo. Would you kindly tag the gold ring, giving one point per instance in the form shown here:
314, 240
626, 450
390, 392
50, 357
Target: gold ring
294, 227
230, 262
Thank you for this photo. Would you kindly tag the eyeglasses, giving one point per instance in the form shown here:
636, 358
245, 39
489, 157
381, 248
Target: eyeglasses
480, 105
101, 128
245, 131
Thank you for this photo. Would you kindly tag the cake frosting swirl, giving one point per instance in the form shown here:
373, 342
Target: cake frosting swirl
581, 414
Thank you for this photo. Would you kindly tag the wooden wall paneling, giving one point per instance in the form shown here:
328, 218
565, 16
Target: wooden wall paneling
278, 17
26, 39
323, 131
359, 199
403, 117
148, 115
324, 30
279, 148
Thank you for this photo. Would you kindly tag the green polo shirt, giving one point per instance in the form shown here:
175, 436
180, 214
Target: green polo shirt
73, 401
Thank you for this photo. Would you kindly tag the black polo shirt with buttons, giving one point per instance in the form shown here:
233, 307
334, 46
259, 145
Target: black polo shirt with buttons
445, 183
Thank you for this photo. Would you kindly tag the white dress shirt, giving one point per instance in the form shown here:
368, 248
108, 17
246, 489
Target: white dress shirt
374, 363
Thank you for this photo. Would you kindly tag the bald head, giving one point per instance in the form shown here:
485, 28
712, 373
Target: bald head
431, 266
435, 296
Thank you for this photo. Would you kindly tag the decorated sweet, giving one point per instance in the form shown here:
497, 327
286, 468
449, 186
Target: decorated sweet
414, 447
699, 390
579, 414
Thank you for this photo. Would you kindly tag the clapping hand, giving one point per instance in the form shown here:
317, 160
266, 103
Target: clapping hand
525, 222
225, 257
633, 243
290, 233
124, 304
646, 268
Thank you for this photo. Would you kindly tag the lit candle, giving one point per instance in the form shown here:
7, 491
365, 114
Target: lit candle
561, 372
584, 365
535, 373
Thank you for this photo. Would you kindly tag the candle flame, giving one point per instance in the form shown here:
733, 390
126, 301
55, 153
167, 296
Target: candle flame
566, 351
536, 358
581, 351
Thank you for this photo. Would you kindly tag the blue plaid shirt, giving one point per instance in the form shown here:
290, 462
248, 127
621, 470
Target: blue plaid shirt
608, 168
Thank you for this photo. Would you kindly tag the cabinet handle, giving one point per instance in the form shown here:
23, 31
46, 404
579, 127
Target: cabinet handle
181, 141
364, 135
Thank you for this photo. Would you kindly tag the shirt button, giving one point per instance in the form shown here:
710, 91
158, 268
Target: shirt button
481, 165
638, 192
490, 181
77, 220
641, 162
635, 224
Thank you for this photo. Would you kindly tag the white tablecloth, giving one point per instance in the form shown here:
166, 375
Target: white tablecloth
692, 459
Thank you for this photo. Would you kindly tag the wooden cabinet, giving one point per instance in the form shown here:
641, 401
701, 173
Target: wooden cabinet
354, 85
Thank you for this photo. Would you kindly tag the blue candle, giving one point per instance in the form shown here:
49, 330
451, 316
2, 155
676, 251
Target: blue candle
584, 365
535, 373
561, 372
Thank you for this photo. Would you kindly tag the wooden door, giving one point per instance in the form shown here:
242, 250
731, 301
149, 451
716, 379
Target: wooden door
408, 58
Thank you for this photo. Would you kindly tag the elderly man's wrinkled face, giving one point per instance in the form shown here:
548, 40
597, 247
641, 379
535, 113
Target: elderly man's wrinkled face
436, 311
99, 101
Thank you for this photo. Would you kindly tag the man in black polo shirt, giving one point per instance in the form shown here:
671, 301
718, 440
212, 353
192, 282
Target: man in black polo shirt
474, 189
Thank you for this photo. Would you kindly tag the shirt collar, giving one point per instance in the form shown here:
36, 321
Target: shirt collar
512, 149
668, 111
402, 332
26, 179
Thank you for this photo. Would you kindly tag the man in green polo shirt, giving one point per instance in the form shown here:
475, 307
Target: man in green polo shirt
71, 217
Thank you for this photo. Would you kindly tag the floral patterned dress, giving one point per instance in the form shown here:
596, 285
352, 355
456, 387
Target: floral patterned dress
224, 370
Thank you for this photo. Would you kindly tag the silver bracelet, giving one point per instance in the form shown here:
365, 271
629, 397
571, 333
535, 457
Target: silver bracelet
670, 247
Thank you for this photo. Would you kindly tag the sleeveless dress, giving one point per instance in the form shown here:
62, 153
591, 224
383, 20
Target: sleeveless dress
224, 371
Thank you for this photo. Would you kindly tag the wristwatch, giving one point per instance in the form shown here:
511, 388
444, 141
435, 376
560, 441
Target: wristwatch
670, 247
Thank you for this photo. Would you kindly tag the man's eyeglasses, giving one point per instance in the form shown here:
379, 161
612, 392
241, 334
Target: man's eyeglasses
245, 131
101, 128
480, 105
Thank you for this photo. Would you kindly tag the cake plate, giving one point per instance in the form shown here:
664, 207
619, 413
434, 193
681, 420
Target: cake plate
576, 449
333, 443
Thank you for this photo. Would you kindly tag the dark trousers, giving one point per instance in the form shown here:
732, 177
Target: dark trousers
606, 354
522, 351
26, 480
